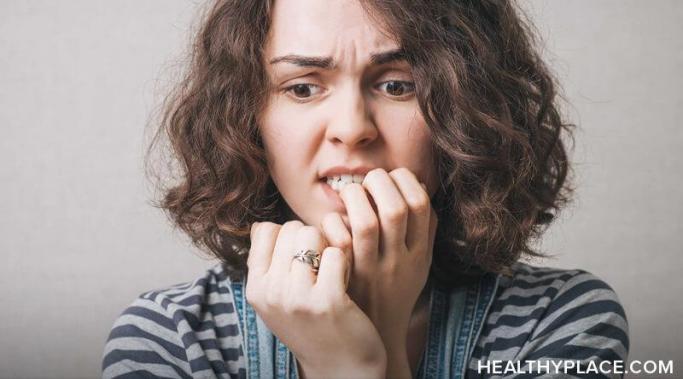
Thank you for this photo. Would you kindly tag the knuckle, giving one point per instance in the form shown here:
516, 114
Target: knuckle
268, 225
390, 269
309, 230
345, 243
367, 227
419, 203
395, 213
340, 240
403, 171
288, 307
292, 224
322, 307
264, 230
296, 305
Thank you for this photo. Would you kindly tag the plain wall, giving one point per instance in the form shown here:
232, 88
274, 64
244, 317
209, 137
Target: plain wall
79, 241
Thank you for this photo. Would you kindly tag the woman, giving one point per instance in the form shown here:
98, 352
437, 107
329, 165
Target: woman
369, 173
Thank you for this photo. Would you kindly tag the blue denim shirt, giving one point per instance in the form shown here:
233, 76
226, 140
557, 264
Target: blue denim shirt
455, 322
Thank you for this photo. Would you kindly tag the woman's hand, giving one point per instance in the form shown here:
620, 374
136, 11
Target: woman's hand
392, 252
311, 314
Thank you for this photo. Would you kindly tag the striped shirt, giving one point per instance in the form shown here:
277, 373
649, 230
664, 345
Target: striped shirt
191, 330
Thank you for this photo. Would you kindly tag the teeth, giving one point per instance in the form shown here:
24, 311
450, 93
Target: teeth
338, 182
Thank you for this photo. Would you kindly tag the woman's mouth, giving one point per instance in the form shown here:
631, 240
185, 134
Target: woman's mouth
338, 182
333, 184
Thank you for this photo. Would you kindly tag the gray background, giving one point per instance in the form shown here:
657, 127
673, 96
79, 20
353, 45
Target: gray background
80, 79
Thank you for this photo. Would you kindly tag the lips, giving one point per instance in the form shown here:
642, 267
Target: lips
338, 182
335, 178
345, 170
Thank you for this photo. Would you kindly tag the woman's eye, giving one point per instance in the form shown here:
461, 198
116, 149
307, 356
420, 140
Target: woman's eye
303, 90
397, 88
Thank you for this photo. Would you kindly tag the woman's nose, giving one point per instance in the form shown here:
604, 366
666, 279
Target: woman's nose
351, 121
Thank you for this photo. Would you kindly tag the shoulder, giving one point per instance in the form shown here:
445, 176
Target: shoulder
178, 331
551, 313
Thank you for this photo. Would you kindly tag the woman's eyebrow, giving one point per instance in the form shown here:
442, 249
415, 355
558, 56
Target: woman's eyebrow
328, 64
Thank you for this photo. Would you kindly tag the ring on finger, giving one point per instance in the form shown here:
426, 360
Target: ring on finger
309, 257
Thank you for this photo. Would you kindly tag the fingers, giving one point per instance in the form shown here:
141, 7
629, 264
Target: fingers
391, 208
332, 277
274, 276
419, 205
364, 228
335, 232
284, 250
301, 275
263, 237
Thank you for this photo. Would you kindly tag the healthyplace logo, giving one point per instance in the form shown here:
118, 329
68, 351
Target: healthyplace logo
566, 366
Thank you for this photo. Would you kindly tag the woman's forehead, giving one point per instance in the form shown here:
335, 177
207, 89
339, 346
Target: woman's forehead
339, 29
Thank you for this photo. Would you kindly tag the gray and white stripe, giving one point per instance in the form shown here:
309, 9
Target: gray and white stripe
192, 331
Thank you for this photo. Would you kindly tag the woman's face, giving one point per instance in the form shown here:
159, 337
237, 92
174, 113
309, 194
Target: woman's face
340, 103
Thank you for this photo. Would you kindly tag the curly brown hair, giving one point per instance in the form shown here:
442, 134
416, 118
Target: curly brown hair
484, 91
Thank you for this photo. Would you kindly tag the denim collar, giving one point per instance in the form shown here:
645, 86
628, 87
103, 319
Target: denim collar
456, 319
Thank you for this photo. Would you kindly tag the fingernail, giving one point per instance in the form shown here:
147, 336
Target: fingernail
423, 186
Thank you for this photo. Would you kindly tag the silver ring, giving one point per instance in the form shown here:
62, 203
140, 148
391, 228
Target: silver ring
309, 257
